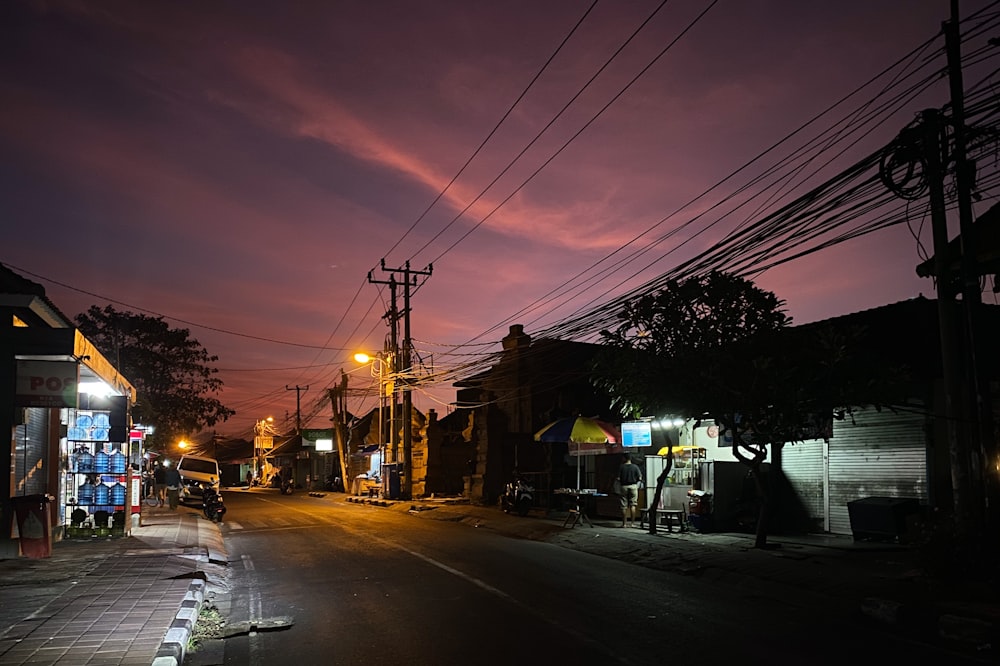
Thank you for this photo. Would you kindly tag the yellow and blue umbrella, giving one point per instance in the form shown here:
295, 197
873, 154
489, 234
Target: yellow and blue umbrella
586, 436
579, 430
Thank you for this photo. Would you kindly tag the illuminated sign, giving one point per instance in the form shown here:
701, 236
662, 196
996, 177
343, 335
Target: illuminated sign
637, 433
47, 383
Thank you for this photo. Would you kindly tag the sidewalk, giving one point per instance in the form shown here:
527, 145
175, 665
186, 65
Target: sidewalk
130, 600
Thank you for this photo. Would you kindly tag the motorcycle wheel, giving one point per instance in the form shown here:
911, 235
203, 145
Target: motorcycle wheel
523, 506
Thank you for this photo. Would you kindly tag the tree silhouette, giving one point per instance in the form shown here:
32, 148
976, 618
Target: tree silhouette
172, 373
719, 348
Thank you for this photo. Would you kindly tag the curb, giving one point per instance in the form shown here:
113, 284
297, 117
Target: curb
210, 538
174, 645
372, 502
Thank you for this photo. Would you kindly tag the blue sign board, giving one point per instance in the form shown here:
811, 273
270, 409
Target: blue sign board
637, 433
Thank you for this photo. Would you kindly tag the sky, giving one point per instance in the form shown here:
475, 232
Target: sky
243, 168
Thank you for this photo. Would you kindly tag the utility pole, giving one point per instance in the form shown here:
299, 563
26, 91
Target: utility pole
404, 369
938, 145
951, 365
983, 446
338, 400
298, 405
393, 360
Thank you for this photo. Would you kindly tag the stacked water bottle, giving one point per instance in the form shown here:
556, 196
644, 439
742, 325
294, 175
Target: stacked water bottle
100, 470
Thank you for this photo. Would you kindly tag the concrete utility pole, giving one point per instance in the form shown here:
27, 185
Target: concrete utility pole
919, 163
298, 405
404, 369
951, 365
983, 448
393, 360
338, 400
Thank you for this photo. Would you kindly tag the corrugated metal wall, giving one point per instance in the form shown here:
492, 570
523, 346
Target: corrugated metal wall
881, 454
31, 446
804, 465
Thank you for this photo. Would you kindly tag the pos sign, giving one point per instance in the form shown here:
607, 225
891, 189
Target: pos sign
47, 383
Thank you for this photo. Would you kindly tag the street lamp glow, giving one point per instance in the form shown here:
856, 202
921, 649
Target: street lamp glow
362, 357
261, 442
182, 444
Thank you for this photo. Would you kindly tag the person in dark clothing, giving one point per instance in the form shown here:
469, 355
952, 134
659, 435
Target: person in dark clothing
629, 476
173, 480
160, 482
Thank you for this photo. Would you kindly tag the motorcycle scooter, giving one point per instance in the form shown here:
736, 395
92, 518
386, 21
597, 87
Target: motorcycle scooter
211, 502
517, 497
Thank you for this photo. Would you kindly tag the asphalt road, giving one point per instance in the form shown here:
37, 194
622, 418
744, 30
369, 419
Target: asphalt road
365, 585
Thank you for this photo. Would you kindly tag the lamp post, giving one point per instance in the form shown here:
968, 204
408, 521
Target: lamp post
381, 368
262, 429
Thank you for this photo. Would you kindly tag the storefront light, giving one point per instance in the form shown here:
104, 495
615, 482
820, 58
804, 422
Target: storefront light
99, 389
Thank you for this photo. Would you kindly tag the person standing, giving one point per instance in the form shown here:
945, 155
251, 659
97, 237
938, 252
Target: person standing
629, 476
173, 480
160, 482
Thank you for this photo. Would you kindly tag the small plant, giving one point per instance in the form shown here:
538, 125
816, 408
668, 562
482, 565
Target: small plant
208, 627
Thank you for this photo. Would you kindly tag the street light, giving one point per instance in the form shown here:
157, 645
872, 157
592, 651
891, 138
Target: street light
381, 367
262, 432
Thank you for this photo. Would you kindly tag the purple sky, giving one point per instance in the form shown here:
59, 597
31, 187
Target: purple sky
239, 167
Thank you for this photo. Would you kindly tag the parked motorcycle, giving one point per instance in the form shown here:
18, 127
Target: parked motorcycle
211, 502
517, 497
287, 486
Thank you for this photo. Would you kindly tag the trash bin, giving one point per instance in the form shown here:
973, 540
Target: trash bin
33, 525
391, 473
880, 518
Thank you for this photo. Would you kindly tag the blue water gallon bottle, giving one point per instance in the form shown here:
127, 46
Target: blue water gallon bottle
102, 462
85, 493
84, 461
117, 461
118, 494
102, 494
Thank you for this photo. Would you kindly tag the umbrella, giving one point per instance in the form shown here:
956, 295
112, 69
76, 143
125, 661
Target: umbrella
579, 430
591, 436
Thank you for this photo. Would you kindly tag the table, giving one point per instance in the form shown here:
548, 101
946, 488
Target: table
583, 501
364, 486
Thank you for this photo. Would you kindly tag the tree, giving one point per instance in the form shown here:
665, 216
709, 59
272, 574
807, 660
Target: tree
172, 373
663, 354
717, 347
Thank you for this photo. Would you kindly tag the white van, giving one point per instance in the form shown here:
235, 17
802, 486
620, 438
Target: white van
194, 471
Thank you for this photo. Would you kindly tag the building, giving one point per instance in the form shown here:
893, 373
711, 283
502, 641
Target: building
54, 378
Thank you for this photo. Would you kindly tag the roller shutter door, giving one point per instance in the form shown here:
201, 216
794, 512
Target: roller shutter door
881, 454
804, 466
31, 441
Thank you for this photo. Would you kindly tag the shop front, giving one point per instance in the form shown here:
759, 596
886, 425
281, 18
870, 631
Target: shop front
72, 454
